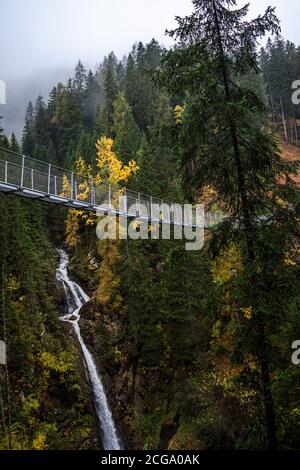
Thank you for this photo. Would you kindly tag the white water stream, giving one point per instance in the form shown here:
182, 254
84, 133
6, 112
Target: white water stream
76, 298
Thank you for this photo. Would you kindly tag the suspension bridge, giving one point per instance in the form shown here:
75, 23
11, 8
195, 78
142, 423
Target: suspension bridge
34, 179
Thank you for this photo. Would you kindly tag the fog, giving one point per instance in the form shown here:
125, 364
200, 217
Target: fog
42, 40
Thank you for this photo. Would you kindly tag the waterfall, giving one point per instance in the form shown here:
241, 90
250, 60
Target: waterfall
76, 298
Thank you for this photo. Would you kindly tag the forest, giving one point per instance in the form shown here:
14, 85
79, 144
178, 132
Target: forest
194, 347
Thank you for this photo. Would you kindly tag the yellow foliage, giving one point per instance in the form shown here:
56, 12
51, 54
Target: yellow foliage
247, 312
111, 168
30, 404
291, 257
247, 395
250, 361
178, 113
216, 329
280, 202
50, 363
72, 227
227, 265
12, 284
108, 291
118, 355
66, 187
39, 442
289, 262
296, 412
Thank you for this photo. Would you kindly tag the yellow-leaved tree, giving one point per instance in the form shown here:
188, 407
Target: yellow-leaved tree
109, 170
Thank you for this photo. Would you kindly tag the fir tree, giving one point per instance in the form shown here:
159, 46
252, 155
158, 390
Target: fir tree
28, 133
14, 144
225, 147
91, 100
127, 134
79, 81
110, 88
41, 129
67, 121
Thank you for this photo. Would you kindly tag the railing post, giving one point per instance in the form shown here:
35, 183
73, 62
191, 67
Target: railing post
22, 171
5, 177
125, 200
49, 178
92, 192
55, 185
151, 207
32, 178
139, 204
109, 195
72, 183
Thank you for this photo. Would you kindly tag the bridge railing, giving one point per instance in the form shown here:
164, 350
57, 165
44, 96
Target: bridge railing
49, 180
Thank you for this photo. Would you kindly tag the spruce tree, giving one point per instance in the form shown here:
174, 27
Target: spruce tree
223, 145
67, 122
13, 144
110, 88
91, 100
79, 81
28, 132
41, 129
127, 134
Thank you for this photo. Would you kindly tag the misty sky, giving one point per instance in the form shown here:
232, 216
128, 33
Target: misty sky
39, 34
42, 40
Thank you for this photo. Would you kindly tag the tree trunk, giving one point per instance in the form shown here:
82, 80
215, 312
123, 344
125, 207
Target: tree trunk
273, 110
266, 383
296, 130
9, 421
283, 120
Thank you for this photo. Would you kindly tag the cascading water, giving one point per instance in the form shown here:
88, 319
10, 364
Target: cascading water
76, 298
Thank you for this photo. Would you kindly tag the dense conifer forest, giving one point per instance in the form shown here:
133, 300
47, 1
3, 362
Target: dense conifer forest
194, 347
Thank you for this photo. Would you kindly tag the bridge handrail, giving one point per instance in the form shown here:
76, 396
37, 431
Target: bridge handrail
75, 175
74, 179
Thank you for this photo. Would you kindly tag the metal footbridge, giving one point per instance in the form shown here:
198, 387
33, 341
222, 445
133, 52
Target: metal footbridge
34, 179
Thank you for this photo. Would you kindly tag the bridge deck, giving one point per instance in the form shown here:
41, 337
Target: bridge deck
34, 179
